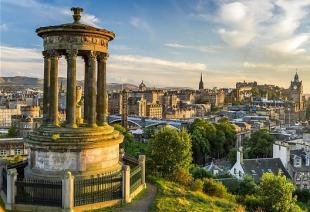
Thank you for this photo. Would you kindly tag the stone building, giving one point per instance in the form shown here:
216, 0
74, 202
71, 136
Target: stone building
29, 119
115, 103
154, 110
136, 106
10, 147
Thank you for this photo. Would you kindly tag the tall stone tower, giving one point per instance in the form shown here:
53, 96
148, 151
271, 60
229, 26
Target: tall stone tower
296, 92
201, 87
83, 148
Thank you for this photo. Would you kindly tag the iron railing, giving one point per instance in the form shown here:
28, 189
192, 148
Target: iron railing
135, 178
97, 189
4, 181
38, 192
130, 160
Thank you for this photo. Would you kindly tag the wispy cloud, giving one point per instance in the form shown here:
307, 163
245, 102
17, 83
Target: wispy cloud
3, 27
159, 62
211, 48
142, 24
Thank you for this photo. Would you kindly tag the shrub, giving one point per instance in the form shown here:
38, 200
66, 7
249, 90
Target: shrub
252, 203
247, 186
214, 188
197, 185
200, 173
182, 176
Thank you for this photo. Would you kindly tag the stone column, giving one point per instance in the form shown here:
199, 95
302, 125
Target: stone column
126, 183
68, 191
86, 95
46, 88
142, 164
71, 88
102, 89
11, 190
53, 119
91, 116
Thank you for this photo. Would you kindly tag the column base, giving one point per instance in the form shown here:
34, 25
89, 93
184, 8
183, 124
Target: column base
70, 125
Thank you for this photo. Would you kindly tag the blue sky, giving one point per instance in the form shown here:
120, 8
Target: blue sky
170, 42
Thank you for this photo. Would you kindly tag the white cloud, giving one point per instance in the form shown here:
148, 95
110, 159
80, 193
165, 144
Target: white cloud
242, 20
3, 27
291, 46
211, 48
159, 62
142, 24
292, 14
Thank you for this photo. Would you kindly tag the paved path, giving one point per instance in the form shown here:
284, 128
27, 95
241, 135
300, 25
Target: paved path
144, 204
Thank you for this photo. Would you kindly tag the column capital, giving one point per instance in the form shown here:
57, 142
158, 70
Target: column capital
91, 55
46, 54
71, 53
102, 57
54, 53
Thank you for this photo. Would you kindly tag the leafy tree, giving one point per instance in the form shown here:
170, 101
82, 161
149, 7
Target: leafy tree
202, 133
149, 132
201, 173
130, 146
200, 146
276, 193
247, 186
12, 133
259, 145
169, 152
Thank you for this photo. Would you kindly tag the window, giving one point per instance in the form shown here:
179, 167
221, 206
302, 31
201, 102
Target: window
17, 151
2, 152
235, 171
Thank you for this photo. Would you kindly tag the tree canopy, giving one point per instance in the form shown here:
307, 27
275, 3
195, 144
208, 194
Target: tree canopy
211, 140
275, 193
259, 145
169, 152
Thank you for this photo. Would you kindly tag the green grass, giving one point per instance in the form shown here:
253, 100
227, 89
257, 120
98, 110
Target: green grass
174, 197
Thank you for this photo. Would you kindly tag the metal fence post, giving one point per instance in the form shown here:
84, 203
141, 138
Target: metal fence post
68, 191
126, 183
142, 164
11, 188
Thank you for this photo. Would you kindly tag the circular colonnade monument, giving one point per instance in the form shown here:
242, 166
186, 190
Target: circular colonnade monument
84, 146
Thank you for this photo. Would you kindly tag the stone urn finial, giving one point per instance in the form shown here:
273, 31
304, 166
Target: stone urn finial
76, 13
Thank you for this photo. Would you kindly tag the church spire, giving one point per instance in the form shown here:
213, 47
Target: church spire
201, 87
296, 78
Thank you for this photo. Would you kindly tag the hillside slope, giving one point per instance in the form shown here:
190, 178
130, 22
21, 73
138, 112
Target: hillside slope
174, 197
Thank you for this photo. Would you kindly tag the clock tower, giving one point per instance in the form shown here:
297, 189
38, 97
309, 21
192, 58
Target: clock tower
296, 92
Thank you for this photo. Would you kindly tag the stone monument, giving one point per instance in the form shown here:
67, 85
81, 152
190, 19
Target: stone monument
84, 145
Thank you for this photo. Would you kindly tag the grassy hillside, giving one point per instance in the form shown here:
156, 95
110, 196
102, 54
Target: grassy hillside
174, 197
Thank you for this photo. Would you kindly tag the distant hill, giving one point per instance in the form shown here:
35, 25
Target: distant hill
32, 82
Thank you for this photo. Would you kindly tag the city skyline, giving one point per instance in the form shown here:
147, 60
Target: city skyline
228, 41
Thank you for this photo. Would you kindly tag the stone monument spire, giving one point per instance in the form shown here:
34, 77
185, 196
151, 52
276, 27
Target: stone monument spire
201, 87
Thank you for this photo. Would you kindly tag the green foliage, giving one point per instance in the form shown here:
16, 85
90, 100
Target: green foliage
175, 197
247, 186
232, 156
276, 193
214, 140
169, 152
197, 185
201, 173
12, 132
259, 145
252, 203
303, 195
214, 188
149, 132
130, 146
